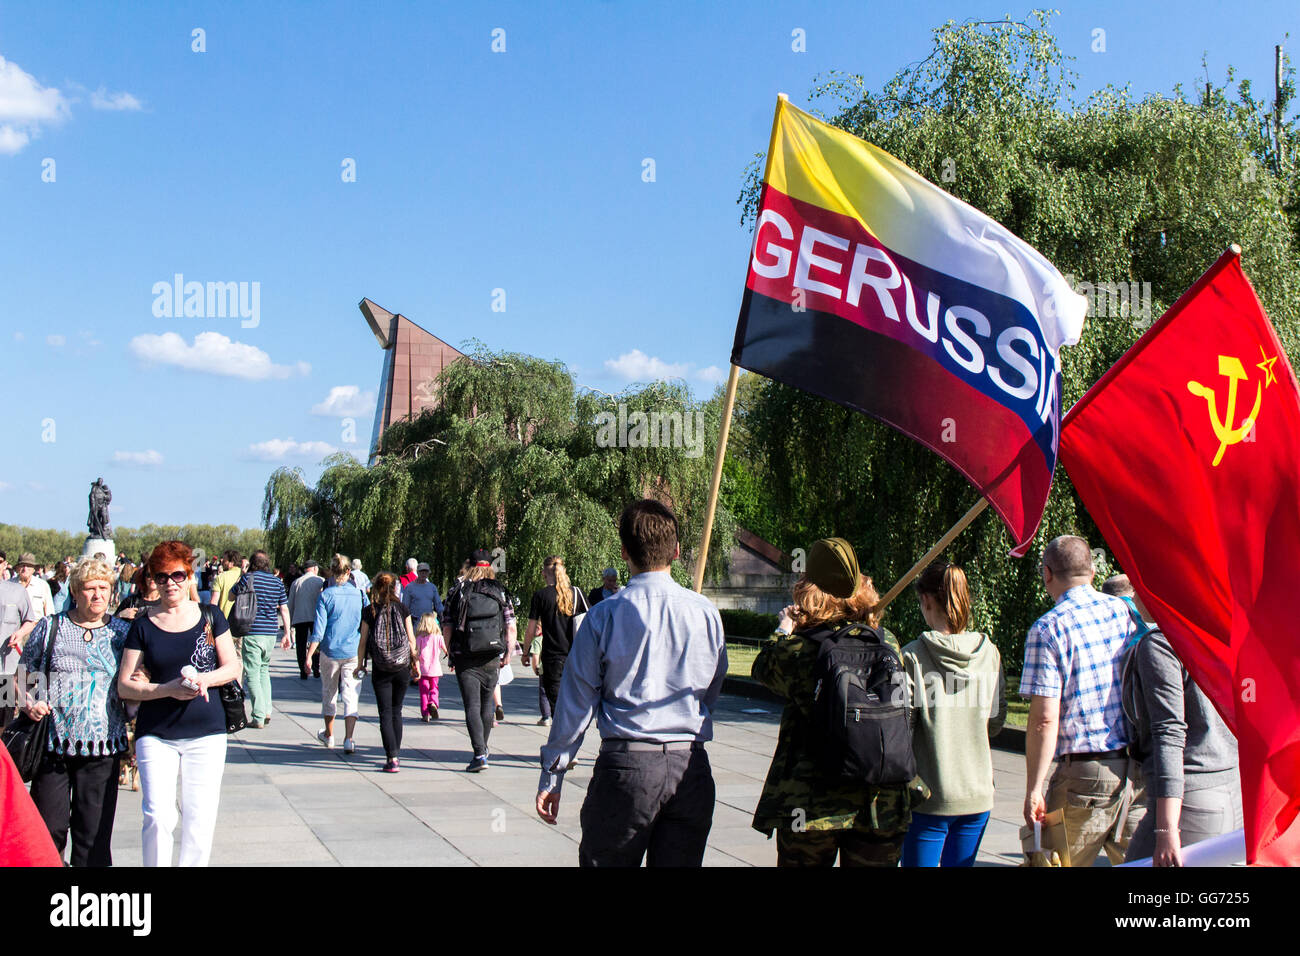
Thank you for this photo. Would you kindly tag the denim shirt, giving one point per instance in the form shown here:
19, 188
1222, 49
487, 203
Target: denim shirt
338, 621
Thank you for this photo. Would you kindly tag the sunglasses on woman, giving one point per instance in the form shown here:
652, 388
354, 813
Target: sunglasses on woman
176, 576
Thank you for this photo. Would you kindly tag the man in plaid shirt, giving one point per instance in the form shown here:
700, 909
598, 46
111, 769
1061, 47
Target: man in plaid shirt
1074, 657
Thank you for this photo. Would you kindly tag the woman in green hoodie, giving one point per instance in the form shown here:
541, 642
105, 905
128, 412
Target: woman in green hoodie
958, 699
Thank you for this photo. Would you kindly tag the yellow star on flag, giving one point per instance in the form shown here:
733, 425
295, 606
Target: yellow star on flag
1267, 367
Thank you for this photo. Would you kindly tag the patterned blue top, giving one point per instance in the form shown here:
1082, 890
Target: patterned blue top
88, 715
1075, 652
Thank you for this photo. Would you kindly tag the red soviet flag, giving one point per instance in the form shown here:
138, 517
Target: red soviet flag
1187, 455
24, 839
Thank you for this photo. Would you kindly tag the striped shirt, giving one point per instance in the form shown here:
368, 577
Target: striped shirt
270, 595
1075, 652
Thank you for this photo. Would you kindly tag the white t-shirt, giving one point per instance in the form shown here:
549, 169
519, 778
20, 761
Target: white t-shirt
38, 592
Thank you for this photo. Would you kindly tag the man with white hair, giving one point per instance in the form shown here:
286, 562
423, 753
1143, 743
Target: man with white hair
410, 575
359, 577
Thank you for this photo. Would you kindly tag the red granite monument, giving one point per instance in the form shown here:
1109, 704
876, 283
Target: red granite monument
413, 360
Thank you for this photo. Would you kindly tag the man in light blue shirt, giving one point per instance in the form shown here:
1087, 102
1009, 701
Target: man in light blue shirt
648, 664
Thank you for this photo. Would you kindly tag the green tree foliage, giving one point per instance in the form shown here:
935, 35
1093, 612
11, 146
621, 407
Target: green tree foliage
1110, 190
514, 457
50, 546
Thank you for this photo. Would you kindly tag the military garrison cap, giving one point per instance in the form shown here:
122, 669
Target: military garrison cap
833, 567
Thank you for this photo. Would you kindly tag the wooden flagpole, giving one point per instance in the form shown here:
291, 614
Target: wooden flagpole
728, 404
933, 553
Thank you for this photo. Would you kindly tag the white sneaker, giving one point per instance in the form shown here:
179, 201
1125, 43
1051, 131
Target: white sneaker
324, 738
349, 746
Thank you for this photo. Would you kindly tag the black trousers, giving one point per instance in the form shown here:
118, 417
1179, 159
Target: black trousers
390, 690
476, 686
653, 804
301, 638
552, 673
81, 791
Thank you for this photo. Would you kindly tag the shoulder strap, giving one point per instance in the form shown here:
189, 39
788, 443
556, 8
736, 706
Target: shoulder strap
205, 613
51, 632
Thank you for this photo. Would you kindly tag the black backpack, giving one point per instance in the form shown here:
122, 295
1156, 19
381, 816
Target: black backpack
389, 644
861, 731
478, 621
243, 612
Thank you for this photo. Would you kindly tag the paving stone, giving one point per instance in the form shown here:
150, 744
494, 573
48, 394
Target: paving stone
287, 800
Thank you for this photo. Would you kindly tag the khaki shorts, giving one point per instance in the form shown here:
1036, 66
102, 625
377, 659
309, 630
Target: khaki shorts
336, 680
1104, 802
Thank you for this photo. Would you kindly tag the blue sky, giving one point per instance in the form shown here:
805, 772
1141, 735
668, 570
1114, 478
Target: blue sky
476, 170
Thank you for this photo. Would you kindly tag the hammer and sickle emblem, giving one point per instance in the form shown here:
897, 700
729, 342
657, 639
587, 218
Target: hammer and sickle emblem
1231, 368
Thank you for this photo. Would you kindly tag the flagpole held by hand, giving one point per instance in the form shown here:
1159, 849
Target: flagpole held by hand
933, 553
728, 403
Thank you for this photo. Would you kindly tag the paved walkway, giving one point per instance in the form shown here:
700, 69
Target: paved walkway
286, 800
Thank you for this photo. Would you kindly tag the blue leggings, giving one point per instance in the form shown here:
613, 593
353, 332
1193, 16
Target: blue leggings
948, 841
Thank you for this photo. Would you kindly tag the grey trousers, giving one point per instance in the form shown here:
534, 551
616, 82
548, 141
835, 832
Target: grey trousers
653, 804
1206, 813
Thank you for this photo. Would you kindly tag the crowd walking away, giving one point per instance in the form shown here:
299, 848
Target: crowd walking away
128, 674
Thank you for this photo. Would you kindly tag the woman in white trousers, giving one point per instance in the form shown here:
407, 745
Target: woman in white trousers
175, 657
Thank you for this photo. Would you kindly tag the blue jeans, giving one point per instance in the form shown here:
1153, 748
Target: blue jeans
948, 841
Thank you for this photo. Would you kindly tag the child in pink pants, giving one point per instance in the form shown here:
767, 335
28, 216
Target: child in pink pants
429, 643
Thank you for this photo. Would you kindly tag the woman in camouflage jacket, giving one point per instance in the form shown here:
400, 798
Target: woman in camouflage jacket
814, 815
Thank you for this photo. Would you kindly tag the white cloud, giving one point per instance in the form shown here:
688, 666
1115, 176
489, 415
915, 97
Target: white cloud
142, 459
18, 336
5, 486
212, 352
25, 106
282, 449
101, 99
35, 486
636, 366
55, 340
346, 401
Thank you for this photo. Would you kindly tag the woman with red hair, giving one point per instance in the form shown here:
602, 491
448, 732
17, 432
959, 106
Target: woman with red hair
180, 729
817, 811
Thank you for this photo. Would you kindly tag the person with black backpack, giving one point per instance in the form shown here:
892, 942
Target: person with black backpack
479, 627
840, 778
389, 640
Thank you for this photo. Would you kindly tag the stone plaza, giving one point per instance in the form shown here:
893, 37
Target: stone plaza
288, 801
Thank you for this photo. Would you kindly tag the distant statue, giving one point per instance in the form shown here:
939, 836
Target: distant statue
100, 496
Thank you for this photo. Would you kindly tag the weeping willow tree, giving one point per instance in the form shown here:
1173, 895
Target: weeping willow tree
1111, 190
517, 459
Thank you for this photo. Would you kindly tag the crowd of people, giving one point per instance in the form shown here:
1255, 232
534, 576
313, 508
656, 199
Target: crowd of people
883, 752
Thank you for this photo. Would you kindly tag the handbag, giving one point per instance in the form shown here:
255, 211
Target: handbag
27, 740
578, 618
231, 694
